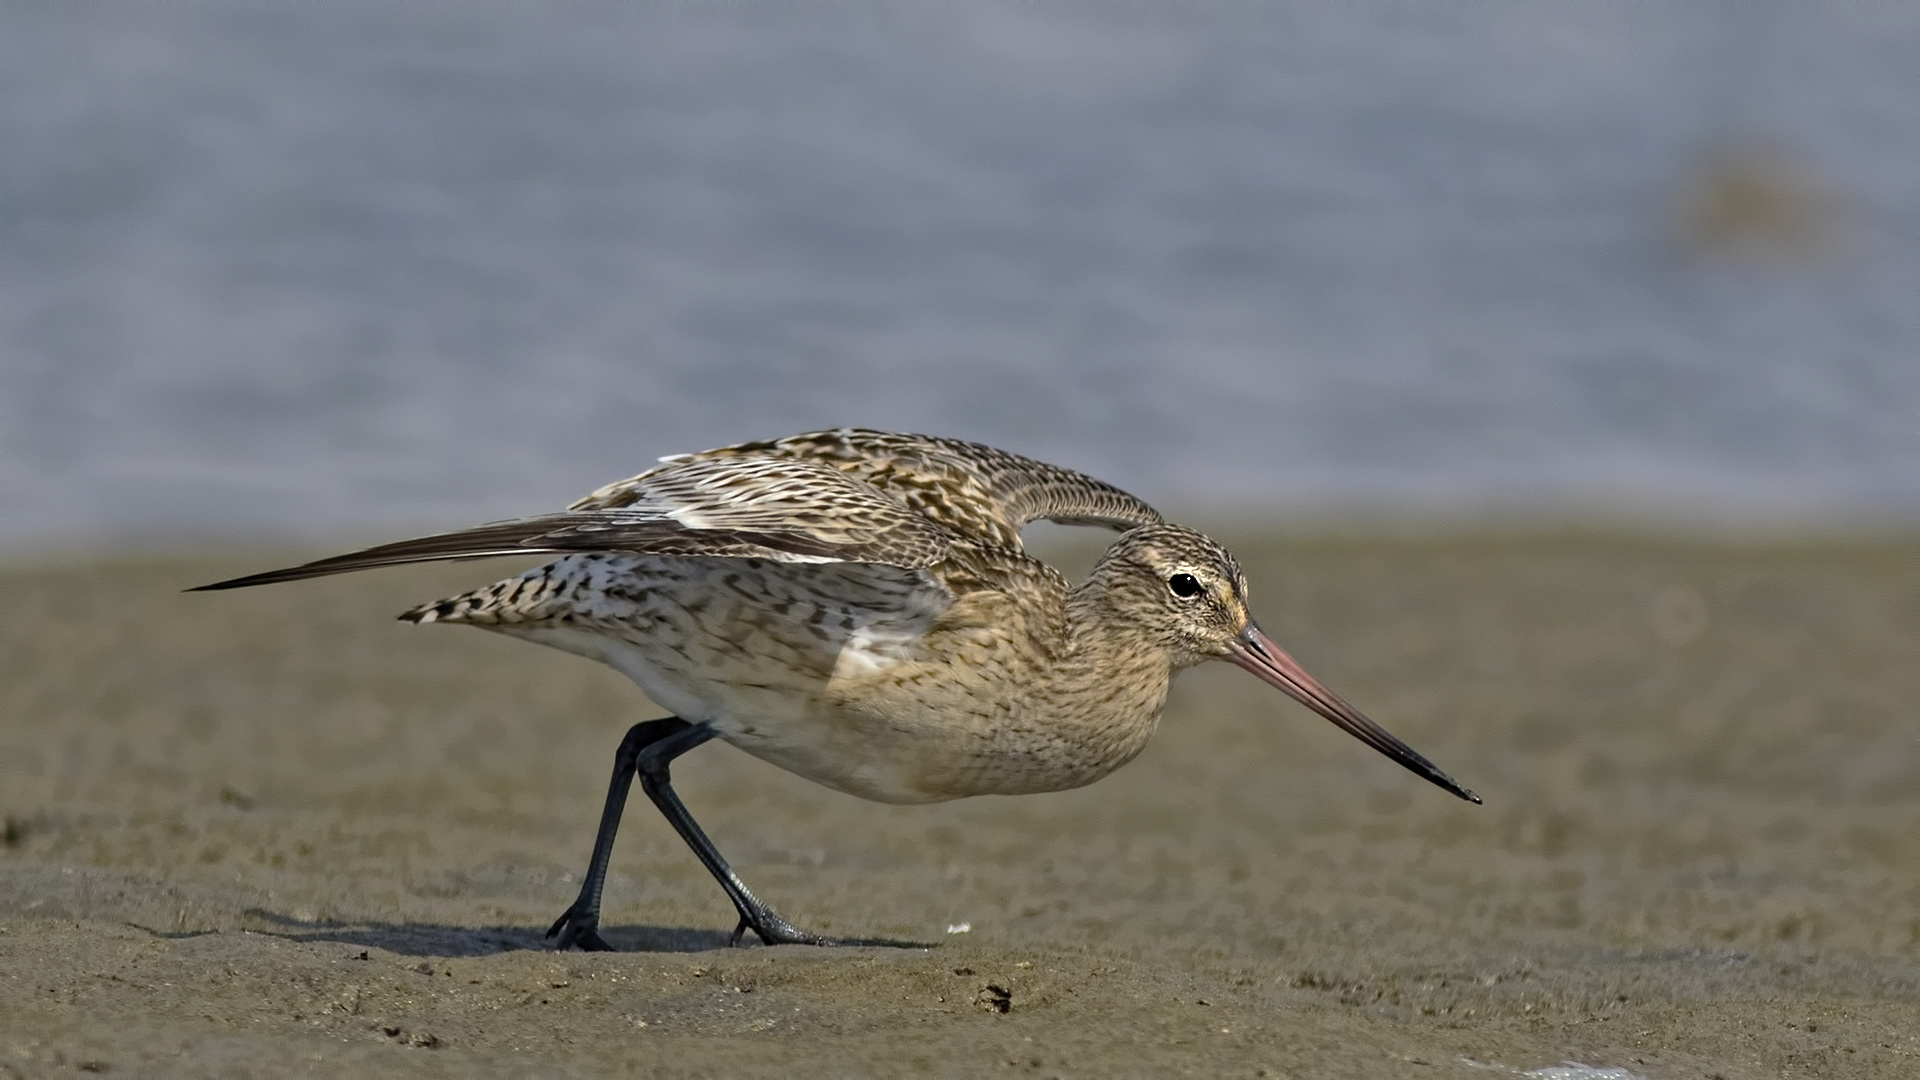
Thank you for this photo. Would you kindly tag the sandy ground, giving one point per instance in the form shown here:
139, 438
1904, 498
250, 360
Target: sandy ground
275, 832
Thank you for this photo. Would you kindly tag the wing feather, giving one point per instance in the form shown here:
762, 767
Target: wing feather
973, 490
784, 510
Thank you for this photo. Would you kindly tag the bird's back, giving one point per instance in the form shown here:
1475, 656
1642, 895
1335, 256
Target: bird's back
976, 491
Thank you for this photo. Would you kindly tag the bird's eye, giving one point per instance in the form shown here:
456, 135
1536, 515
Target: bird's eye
1185, 586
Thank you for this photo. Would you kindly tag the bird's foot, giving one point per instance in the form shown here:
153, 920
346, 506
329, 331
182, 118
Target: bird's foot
774, 930
578, 928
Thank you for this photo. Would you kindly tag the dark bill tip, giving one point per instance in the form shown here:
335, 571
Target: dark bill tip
1257, 652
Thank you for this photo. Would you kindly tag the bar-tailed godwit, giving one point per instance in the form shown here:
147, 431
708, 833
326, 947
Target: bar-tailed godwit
856, 607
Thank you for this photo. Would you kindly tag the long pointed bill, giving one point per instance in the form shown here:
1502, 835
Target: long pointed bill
1256, 652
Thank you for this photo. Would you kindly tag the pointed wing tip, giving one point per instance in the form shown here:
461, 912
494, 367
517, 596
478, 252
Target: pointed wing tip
266, 577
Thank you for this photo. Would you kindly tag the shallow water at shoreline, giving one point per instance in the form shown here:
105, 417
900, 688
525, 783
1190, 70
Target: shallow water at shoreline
275, 831
358, 263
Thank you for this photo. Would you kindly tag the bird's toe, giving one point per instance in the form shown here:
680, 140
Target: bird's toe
577, 930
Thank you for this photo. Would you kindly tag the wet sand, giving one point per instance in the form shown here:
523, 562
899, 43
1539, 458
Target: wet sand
275, 832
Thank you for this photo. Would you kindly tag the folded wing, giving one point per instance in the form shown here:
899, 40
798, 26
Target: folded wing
975, 491
781, 509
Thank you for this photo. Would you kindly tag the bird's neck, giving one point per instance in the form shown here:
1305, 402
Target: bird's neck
1114, 676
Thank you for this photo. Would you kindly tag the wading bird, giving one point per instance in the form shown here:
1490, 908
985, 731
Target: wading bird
856, 607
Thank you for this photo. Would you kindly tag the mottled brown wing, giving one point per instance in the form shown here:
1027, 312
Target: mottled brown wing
974, 490
783, 509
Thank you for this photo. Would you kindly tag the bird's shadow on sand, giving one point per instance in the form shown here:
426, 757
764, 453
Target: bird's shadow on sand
428, 939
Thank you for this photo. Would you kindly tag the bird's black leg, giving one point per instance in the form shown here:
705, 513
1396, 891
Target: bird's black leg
647, 750
654, 756
581, 923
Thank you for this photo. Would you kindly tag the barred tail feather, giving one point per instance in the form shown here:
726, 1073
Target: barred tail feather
526, 598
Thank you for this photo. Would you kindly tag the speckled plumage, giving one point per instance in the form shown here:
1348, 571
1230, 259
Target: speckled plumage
857, 607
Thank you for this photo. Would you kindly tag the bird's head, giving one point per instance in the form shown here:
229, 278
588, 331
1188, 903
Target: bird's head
1179, 588
1186, 594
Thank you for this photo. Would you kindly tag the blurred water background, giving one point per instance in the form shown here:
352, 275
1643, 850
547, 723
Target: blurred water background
318, 270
